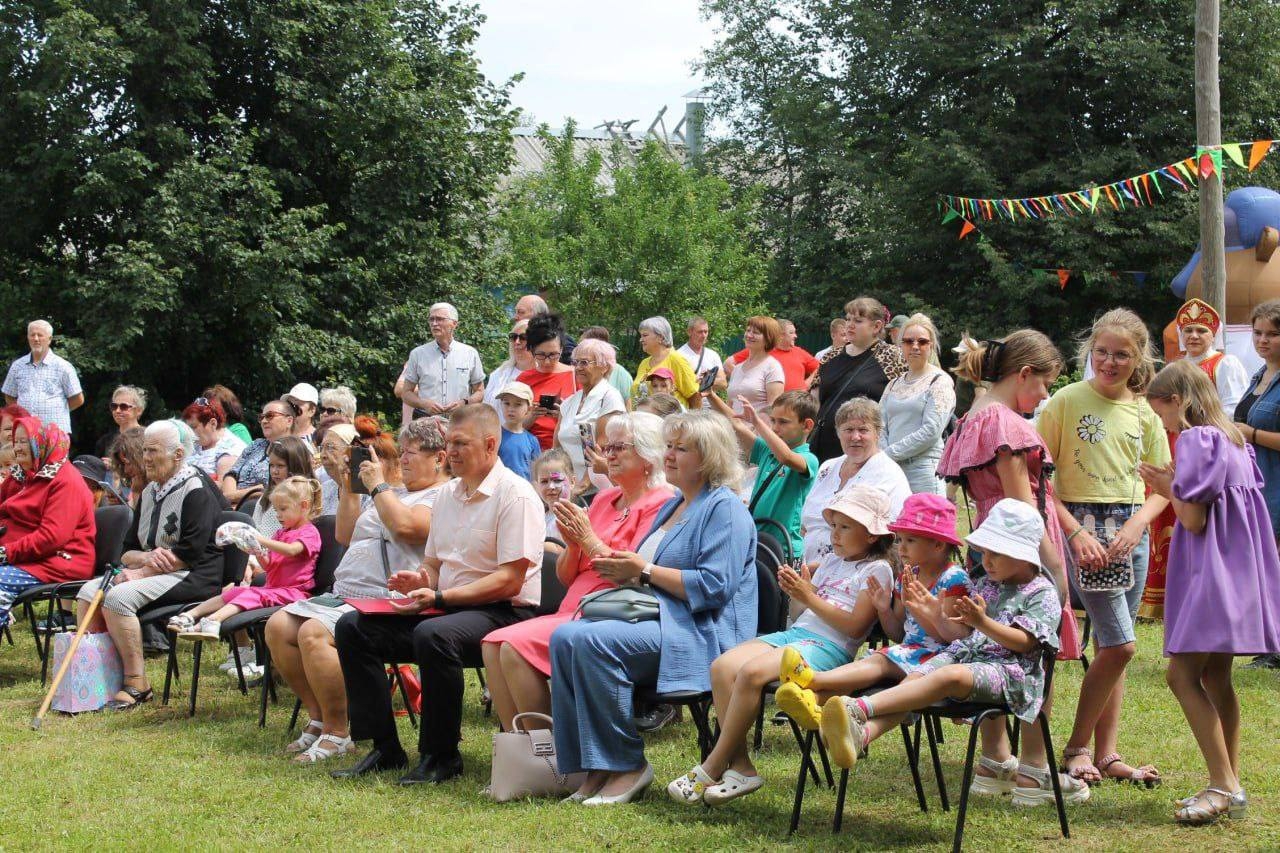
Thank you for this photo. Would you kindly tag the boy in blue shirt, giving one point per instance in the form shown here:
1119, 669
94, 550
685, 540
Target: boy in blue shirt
518, 448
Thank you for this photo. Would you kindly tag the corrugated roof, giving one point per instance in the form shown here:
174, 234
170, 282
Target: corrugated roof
531, 153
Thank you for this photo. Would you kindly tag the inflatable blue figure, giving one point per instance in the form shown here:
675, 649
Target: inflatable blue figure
1251, 216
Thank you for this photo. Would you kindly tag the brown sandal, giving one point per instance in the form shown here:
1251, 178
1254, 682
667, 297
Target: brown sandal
1086, 773
1146, 775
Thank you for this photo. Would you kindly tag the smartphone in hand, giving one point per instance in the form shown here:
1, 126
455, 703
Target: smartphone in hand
587, 432
708, 379
548, 402
358, 455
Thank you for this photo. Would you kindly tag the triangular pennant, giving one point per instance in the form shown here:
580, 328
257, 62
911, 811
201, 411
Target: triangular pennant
1146, 186
1206, 167
1155, 179
1257, 152
951, 214
1094, 195
966, 228
1111, 196
1233, 151
1172, 175
1063, 277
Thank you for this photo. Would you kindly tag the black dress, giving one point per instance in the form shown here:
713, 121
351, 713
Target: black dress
843, 377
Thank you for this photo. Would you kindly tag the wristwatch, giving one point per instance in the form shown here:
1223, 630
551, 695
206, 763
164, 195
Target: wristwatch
646, 575
379, 489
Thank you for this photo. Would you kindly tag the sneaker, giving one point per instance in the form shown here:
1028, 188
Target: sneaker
208, 629
252, 674
657, 717
800, 705
246, 657
795, 669
843, 730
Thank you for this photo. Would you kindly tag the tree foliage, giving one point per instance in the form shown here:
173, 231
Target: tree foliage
241, 191
662, 239
856, 115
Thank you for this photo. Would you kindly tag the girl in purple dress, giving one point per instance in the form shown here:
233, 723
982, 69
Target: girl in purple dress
1214, 609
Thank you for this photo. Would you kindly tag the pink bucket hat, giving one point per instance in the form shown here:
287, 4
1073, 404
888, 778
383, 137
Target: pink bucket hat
930, 516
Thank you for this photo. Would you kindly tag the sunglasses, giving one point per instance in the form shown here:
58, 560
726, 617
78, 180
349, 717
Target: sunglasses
267, 416
201, 401
121, 407
516, 336
329, 410
915, 342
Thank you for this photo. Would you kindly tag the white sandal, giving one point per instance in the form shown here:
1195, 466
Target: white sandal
1074, 789
1001, 783
317, 752
180, 622
733, 785
310, 734
688, 788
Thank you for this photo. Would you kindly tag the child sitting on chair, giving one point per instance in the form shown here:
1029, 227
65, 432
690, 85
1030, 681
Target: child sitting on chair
1014, 617
290, 565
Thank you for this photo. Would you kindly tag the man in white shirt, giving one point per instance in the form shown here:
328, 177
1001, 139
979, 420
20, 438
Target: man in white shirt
43, 382
481, 571
444, 374
700, 356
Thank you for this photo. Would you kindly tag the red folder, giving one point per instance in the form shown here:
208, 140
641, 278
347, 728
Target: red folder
384, 607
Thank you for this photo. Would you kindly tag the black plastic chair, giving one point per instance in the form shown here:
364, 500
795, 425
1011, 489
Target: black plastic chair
112, 524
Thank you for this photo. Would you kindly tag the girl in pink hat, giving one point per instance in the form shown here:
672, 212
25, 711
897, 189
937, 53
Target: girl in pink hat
917, 616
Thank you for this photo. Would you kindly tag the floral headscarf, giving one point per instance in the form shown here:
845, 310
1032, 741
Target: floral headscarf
49, 449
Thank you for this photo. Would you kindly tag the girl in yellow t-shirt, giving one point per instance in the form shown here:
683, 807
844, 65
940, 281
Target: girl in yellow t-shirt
1098, 431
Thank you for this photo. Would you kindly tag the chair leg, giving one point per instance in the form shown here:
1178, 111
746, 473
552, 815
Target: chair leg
806, 766
826, 764
235, 653
195, 675
937, 767
486, 702
937, 730
806, 748
1053, 774
701, 713
264, 655
404, 694
170, 671
838, 821
293, 720
967, 780
913, 760
1015, 733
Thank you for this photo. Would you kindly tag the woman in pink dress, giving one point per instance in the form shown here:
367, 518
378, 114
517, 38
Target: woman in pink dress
517, 658
996, 453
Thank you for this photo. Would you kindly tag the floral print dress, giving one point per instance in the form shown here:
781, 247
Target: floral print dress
1019, 679
917, 646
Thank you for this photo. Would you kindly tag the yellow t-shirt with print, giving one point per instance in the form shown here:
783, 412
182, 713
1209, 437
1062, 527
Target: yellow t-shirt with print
1097, 443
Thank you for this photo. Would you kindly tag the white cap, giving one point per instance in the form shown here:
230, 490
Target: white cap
305, 393
519, 390
1013, 529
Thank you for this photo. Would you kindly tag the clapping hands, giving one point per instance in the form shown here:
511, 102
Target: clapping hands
971, 610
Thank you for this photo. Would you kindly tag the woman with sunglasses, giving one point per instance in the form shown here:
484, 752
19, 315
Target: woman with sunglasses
518, 361
917, 407
251, 471
128, 402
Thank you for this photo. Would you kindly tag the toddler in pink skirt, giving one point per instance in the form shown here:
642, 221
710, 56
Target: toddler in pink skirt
289, 564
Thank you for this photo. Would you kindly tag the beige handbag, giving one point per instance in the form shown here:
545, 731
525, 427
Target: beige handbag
524, 764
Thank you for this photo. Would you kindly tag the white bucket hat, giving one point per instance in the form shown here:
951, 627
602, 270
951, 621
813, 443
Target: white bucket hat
1013, 528
866, 505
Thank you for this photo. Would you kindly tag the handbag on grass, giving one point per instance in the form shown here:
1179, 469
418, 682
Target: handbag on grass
623, 603
524, 764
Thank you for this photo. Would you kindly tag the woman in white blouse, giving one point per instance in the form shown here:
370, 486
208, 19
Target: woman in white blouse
593, 362
519, 360
917, 407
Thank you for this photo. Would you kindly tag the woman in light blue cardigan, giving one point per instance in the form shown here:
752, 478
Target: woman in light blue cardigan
699, 559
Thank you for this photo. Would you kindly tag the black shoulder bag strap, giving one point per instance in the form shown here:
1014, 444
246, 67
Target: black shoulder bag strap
760, 487
825, 408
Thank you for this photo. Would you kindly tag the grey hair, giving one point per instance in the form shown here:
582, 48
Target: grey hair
341, 398
447, 308
860, 409
712, 436
540, 305
137, 393
658, 326
41, 324
597, 350
645, 432
175, 435
427, 433
696, 321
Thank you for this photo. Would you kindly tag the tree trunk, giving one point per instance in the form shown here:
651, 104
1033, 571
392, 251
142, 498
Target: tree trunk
1213, 259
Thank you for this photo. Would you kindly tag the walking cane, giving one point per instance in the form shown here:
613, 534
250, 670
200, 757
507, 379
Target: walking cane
108, 577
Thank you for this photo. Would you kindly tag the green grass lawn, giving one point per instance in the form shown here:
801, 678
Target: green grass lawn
155, 779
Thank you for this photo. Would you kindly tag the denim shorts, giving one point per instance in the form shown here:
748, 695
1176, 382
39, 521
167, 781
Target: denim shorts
1111, 614
819, 652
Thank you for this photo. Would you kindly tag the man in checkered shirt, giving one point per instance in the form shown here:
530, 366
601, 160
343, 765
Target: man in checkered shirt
44, 383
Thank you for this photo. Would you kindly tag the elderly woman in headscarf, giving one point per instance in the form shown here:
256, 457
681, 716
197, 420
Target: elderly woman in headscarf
46, 514
169, 552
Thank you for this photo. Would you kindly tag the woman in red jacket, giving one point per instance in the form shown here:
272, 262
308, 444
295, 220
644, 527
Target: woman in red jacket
46, 514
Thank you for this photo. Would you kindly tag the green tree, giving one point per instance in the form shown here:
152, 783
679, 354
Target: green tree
661, 239
247, 192
856, 115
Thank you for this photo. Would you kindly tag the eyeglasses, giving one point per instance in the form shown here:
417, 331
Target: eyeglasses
1121, 357
329, 410
121, 407
439, 319
546, 356
615, 448
516, 336
267, 416
201, 401
915, 342
583, 362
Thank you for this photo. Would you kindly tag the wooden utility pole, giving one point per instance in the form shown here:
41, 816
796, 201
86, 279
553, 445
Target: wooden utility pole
1213, 257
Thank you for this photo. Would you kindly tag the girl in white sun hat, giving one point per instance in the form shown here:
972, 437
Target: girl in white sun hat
1014, 613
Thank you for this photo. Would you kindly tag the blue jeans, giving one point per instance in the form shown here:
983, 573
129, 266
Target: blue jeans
595, 667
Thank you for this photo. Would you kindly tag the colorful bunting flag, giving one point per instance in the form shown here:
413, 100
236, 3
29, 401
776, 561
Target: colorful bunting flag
1257, 152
